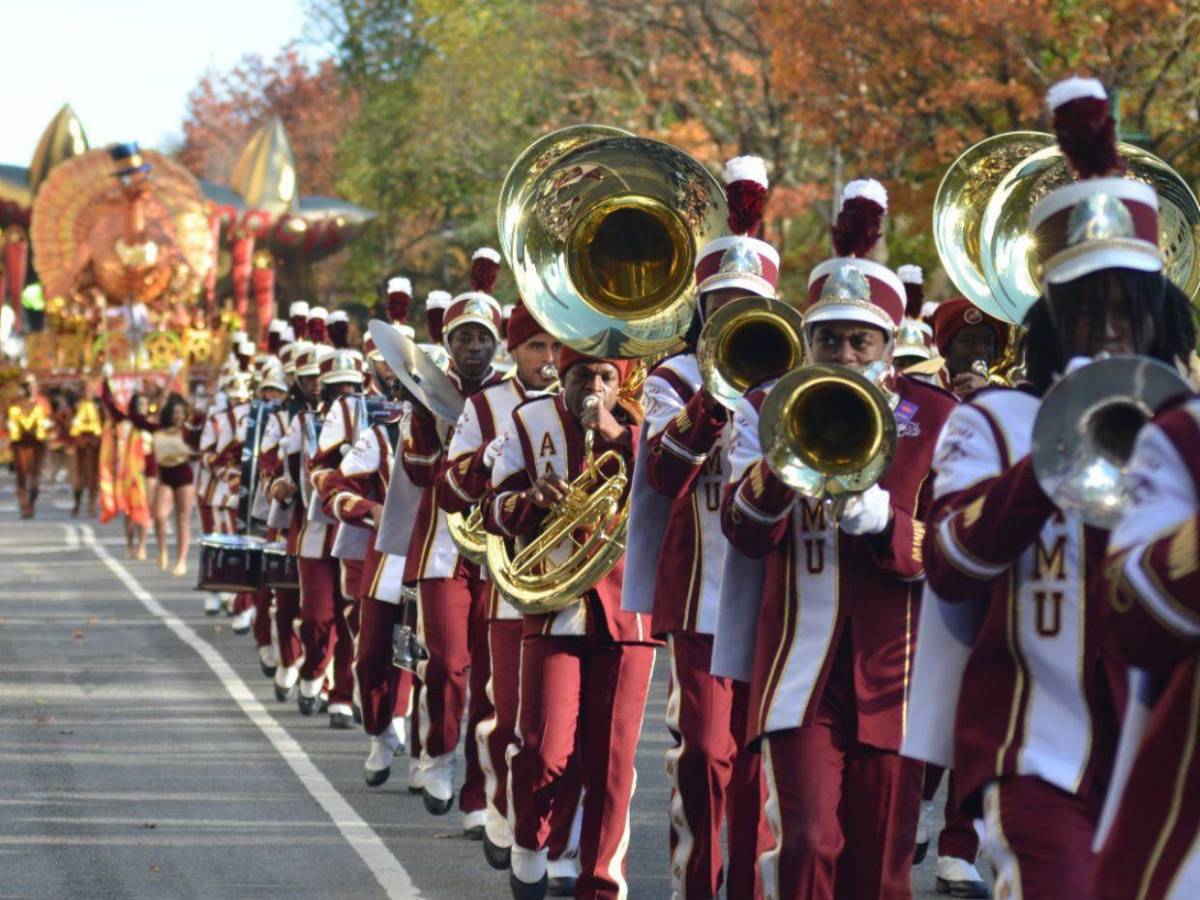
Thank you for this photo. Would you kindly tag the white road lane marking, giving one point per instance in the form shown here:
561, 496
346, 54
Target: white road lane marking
388, 871
72, 537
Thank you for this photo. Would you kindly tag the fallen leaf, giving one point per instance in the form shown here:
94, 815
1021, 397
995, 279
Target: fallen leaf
44, 720
93, 620
78, 634
149, 824
67, 731
155, 869
217, 629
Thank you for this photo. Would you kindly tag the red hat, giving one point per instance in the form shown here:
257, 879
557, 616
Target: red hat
521, 327
477, 305
952, 316
849, 287
339, 329
1103, 220
435, 313
913, 280
741, 260
568, 357
399, 299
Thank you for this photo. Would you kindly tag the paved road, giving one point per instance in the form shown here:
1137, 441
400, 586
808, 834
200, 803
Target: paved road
142, 753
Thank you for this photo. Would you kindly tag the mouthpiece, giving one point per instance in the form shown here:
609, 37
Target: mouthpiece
549, 372
591, 400
980, 368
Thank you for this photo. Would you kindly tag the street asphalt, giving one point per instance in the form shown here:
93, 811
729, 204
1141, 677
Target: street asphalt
143, 754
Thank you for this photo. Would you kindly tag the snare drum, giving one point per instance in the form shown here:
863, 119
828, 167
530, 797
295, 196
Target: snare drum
280, 570
230, 562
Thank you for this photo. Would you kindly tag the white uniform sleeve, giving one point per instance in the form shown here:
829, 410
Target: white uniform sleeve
272, 433
468, 434
661, 403
1162, 493
364, 457
966, 452
293, 439
333, 430
208, 437
744, 447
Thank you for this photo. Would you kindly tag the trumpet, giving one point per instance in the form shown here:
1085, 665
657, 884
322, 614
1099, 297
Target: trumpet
747, 341
828, 432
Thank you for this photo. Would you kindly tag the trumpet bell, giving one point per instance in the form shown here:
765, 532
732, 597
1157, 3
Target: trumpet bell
1085, 429
1011, 261
602, 242
747, 341
827, 430
961, 199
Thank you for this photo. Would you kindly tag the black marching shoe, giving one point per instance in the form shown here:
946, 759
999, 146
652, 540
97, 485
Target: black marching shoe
497, 857
341, 721
524, 891
561, 886
310, 706
435, 805
284, 694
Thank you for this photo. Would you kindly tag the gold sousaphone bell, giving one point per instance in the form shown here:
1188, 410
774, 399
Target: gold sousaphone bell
981, 219
601, 229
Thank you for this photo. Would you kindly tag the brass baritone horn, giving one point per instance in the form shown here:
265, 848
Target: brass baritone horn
828, 431
579, 543
747, 341
1085, 428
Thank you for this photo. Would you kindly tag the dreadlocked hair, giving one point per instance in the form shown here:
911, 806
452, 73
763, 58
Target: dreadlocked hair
1053, 318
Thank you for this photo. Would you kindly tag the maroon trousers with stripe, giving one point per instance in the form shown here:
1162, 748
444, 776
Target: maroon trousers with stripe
843, 814
325, 627
384, 691
287, 611
592, 690
958, 838
712, 777
454, 629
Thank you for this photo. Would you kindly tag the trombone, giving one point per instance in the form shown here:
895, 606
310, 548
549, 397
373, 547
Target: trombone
746, 341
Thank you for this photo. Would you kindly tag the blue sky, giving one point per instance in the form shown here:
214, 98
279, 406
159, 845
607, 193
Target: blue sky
125, 66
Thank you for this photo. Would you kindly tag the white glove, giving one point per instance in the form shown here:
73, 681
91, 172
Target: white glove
107, 370
493, 450
868, 512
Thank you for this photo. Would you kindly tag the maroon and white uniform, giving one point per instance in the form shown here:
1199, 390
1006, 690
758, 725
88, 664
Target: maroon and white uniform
454, 604
464, 481
221, 453
1036, 720
585, 669
339, 431
358, 490
831, 663
708, 768
272, 465
1153, 618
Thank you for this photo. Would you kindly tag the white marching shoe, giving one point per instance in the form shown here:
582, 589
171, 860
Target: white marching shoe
959, 878
473, 823
212, 604
437, 782
242, 622
286, 680
268, 660
416, 775
384, 747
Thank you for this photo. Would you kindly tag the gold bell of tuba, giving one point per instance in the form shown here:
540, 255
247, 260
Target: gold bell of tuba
981, 219
1085, 428
747, 341
602, 237
828, 431
601, 229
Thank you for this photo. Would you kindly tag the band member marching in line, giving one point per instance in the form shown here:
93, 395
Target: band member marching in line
453, 594
1152, 610
29, 426
971, 342
464, 481
709, 768
84, 433
360, 492
303, 397
585, 669
1037, 711
836, 628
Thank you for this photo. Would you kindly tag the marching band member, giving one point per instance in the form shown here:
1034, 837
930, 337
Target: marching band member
298, 319
286, 510
1153, 619
835, 632
1037, 709
585, 669
224, 460
463, 482
316, 328
709, 769
360, 491
28, 430
399, 302
453, 594
85, 431
966, 338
